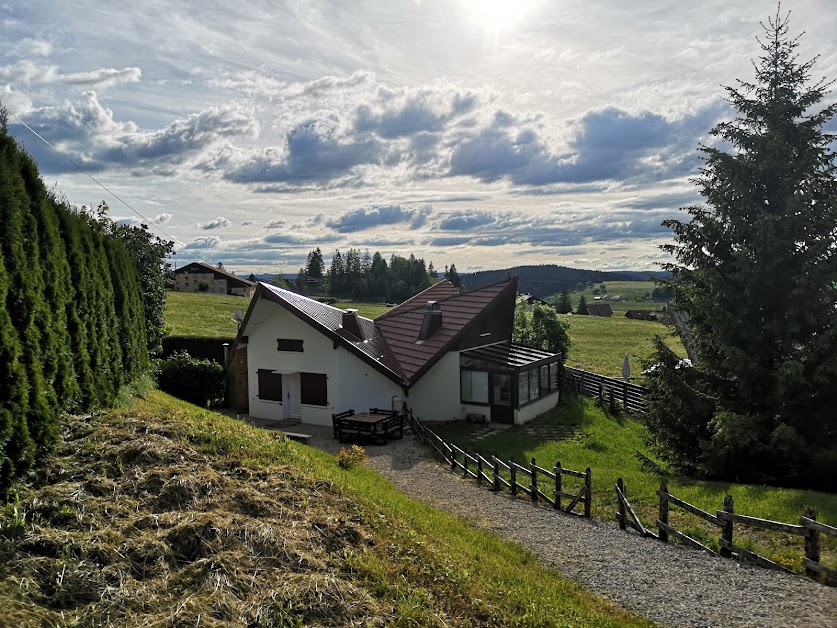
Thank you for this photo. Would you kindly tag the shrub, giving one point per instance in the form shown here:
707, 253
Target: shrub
348, 458
197, 381
203, 286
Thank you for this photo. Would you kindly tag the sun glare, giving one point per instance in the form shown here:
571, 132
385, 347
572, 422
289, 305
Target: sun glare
497, 15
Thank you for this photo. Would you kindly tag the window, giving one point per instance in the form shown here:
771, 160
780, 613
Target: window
544, 379
313, 388
474, 386
270, 385
288, 344
523, 387
502, 388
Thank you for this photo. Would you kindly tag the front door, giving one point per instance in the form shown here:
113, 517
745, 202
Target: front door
290, 385
501, 398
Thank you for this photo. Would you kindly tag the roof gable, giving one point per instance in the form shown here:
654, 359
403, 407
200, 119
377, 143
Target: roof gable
202, 267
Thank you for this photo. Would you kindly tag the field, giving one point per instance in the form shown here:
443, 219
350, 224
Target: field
212, 315
616, 447
632, 291
164, 514
599, 344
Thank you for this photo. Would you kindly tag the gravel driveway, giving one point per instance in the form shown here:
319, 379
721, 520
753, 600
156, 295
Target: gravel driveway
669, 584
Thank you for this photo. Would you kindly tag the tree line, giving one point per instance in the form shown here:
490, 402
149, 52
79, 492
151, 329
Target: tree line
74, 324
365, 277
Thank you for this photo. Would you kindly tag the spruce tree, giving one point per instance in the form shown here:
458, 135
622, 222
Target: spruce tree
756, 273
564, 305
582, 306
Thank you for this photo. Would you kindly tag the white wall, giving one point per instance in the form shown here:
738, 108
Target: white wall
435, 397
536, 408
351, 384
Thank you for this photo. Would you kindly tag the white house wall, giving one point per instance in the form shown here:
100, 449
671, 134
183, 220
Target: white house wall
351, 383
536, 408
435, 397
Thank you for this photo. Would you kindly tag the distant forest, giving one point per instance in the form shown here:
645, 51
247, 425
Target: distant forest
549, 279
367, 277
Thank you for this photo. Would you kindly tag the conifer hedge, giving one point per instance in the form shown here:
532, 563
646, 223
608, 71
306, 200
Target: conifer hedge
72, 316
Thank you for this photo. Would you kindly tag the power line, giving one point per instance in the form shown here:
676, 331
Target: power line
183, 247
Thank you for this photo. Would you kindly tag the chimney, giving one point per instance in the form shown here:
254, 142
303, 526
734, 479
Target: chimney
351, 324
432, 320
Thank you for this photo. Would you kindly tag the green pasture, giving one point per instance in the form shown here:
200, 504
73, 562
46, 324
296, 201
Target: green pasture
634, 293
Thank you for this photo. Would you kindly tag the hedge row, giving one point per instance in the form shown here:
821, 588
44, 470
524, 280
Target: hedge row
72, 320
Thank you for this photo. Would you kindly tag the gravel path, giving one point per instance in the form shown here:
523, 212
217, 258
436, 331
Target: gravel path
669, 584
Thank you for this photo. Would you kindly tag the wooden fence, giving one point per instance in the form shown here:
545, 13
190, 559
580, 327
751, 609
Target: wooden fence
809, 528
517, 478
631, 396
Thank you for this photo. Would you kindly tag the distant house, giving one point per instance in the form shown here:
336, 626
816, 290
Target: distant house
441, 354
530, 300
614, 298
190, 277
641, 315
599, 309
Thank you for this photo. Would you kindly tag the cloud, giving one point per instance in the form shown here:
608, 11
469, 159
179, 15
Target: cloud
204, 242
218, 223
466, 220
276, 224
247, 223
257, 83
131, 221
376, 215
87, 132
29, 73
313, 152
161, 219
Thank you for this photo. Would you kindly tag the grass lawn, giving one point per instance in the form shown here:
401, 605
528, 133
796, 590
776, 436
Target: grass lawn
616, 447
205, 314
599, 344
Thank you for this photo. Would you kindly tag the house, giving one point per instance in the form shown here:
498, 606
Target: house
599, 309
641, 315
190, 277
615, 298
441, 354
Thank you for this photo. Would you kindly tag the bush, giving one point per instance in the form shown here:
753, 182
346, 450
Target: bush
197, 381
203, 286
348, 458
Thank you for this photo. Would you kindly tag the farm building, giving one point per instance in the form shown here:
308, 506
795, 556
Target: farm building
599, 309
218, 281
442, 354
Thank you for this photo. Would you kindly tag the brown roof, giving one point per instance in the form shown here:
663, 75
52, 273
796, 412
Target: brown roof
390, 341
218, 271
402, 325
599, 309
438, 291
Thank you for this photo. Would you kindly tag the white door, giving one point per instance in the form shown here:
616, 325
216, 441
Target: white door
290, 385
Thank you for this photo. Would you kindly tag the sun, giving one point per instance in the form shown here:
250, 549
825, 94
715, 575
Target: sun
497, 15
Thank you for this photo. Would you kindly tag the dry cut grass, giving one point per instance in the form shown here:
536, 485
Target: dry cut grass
166, 515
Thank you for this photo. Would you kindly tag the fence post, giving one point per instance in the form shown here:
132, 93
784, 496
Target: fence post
588, 489
479, 469
625, 395
513, 477
812, 543
664, 518
620, 505
465, 461
557, 470
496, 473
726, 531
452, 457
534, 486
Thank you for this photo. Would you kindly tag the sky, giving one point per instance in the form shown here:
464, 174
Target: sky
484, 133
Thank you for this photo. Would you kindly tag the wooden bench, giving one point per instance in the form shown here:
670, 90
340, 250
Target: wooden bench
341, 426
300, 438
393, 424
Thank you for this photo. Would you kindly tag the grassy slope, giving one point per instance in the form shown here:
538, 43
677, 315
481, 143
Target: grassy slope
599, 344
164, 514
609, 447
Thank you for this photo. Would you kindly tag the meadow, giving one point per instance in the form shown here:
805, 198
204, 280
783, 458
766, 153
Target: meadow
633, 292
615, 447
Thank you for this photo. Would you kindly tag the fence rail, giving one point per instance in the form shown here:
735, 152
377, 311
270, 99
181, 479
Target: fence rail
631, 396
496, 474
809, 528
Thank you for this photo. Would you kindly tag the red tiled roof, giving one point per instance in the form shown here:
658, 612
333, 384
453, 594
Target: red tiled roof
402, 325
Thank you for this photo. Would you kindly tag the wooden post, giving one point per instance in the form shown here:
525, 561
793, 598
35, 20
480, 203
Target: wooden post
812, 543
465, 462
620, 504
726, 531
557, 484
601, 392
479, 469
588, 489
513, 477
496, 473
664, 518
534, 486
625, 395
